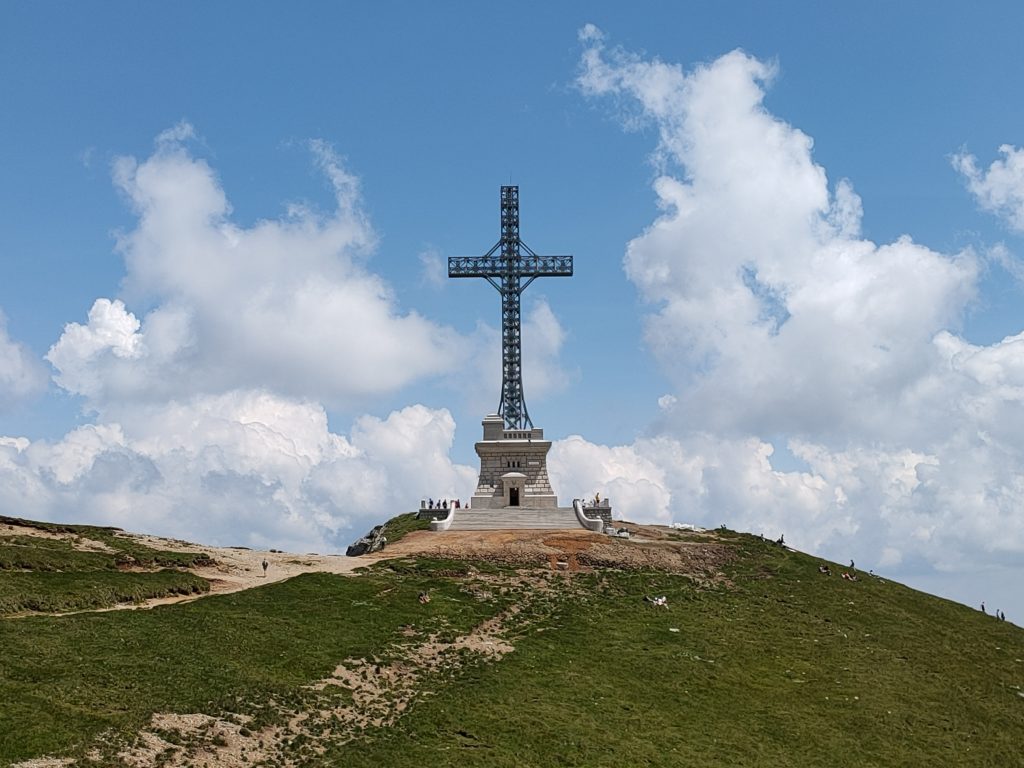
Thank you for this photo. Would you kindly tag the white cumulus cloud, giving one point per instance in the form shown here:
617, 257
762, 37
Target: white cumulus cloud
544, 371
288, 303
780, 325
22, 374
242, 467
210, 376
999, 188
759, 277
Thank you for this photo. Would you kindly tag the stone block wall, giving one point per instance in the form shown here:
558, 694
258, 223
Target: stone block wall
530, 459
523, 453
527, 457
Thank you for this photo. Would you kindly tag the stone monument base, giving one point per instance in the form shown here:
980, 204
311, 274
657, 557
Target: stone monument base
513, 468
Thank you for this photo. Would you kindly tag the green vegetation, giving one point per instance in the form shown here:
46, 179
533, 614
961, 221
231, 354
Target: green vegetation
56, 575
56, 592
66, 680
28, 553
126, 551
775, 665
785, 667
397, 527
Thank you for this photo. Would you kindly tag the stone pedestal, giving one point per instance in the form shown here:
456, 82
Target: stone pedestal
513, 468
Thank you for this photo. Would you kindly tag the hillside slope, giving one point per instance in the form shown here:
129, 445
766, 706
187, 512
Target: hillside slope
534, 648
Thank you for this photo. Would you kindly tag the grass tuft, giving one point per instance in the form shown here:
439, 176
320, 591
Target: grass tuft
398, 527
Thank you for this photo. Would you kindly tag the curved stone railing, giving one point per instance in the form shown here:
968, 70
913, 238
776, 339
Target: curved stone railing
445, 522
589, 523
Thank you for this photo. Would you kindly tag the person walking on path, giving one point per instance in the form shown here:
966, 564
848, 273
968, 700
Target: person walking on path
265, 566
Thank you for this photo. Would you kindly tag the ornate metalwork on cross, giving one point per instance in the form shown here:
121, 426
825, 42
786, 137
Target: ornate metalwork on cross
510, 266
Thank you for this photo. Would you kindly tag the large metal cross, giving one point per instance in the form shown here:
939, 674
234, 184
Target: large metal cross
510, 261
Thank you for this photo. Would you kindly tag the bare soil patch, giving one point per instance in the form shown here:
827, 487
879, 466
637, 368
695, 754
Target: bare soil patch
650, 548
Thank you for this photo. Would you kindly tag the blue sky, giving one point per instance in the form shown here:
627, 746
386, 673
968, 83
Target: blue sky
359, 145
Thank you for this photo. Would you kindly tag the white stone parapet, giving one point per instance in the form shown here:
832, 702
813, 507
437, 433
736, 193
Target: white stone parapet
600, 509
444, 523
588, 523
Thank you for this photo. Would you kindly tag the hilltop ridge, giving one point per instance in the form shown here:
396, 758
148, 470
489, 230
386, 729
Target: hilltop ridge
513, 648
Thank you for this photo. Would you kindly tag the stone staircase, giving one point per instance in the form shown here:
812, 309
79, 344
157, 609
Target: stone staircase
512, 518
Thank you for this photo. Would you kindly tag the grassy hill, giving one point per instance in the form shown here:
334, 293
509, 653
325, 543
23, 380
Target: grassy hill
64, 568
508, 659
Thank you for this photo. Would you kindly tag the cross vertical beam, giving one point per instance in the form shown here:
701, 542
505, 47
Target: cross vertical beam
513, 402
505, 266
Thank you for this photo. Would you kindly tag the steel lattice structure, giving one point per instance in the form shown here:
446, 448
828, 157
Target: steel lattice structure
505, 267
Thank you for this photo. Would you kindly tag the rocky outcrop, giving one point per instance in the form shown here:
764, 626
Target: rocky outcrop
374, 541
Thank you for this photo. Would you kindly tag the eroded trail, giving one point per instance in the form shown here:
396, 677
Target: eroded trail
361, 694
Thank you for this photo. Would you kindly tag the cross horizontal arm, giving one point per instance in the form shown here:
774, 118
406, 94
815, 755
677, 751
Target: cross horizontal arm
524, 266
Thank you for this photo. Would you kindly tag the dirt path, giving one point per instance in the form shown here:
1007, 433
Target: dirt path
237, 569
240, 569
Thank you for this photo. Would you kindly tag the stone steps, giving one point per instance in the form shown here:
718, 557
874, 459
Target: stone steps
513, 518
